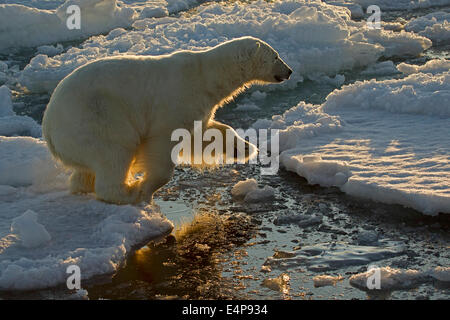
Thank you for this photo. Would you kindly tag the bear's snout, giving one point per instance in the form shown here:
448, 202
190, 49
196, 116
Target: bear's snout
282, 71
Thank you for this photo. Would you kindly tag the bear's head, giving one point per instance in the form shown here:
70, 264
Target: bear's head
260, 62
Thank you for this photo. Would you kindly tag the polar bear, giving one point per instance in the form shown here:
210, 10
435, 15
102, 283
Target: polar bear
114, 113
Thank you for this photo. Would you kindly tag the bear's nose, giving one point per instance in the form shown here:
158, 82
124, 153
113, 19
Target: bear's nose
290, 71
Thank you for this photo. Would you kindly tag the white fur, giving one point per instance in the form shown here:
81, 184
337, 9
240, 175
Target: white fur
114, 113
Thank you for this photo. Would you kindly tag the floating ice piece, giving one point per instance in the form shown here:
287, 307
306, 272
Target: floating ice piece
396, 279
326, 280
333, 256
260, 195
31, 233
241, 188
390, 279
280, 283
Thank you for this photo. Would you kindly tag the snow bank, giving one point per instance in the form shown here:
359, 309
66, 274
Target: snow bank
383, 140
434, 26
314, 38
22, 26
44, 229
12, 124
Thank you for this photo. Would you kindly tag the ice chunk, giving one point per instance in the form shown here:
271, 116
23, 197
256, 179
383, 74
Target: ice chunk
434, 66
326, 280
435, 26
280, 283
241, 188
31, 233
390, 279
260, 195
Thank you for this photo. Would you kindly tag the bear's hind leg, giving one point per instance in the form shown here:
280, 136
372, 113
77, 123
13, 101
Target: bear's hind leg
155, 158
110, 179
82, 181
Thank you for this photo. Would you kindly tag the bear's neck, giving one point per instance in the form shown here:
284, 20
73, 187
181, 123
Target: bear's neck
227, 80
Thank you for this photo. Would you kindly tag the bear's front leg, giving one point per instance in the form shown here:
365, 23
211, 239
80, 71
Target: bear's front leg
155, 160
249, 149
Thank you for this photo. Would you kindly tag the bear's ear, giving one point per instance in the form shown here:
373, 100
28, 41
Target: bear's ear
253, 48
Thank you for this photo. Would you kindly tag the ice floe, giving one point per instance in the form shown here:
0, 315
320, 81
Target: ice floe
383, 140
44, 229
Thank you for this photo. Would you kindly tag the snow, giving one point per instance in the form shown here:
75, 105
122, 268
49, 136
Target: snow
316, 39
29, 23
44, 229
435, 26
31, 233
22, 26
382, 140
12, 124
434, 66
